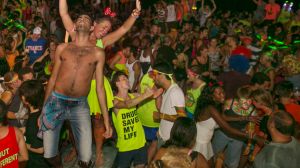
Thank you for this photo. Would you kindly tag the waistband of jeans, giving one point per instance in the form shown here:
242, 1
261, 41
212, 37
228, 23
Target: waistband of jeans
64, 97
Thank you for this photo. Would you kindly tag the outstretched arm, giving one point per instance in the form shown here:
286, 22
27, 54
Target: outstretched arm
101, 92
66, 19
224, 125
133, 102
202, 5
116, 35
214, 8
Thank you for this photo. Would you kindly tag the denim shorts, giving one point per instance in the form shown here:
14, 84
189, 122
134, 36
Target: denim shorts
150, 133
233, 148
76, 110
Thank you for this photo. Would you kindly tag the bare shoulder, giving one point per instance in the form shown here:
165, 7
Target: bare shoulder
62, 46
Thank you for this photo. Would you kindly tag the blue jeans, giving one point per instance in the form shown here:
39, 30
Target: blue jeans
233, 148
77, 111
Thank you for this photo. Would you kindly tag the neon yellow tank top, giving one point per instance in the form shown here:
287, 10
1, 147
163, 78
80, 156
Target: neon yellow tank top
129, 129
99, 43
93, 98
146, 109
192, 96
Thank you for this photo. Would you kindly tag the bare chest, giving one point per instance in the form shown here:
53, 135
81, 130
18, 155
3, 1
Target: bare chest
78, 57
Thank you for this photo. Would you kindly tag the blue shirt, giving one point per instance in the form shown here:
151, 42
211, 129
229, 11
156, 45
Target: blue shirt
36, 48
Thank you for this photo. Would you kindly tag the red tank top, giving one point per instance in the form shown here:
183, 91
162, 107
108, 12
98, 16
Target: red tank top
9, 150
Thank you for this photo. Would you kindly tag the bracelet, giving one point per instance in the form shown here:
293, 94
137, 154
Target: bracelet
163, 116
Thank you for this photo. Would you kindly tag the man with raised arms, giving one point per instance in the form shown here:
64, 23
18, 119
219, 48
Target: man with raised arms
66, 94
101, 39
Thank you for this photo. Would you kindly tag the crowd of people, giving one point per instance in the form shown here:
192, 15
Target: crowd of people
179, 84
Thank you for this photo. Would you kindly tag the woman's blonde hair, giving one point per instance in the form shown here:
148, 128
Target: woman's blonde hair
262, 96
173, 158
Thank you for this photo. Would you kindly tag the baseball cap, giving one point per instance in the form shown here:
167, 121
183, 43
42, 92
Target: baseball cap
37, 30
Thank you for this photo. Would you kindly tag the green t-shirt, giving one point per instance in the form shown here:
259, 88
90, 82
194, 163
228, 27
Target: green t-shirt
191, 98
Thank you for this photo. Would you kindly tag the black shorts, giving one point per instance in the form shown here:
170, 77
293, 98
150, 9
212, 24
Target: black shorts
137, 157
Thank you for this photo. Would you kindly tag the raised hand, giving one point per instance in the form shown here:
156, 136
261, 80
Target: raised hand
138, 5
148, 92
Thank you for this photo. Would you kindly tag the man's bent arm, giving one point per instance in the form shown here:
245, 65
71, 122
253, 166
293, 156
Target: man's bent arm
63, 11
116, 35
57, 63
100, 90
180, 113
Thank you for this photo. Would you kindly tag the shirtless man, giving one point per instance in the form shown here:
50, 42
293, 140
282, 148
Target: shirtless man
101, 39
66, 94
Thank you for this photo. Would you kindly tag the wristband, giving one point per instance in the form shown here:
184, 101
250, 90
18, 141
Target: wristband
162, 116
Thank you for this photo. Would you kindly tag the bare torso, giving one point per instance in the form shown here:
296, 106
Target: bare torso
76, 71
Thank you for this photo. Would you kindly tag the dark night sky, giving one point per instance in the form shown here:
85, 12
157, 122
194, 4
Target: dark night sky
234, 5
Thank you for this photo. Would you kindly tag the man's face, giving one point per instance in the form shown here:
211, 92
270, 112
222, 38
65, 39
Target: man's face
230, 41
214, 42
205, 33
35, 36
123, 82
52, 46
154, 29
83, 23
127, 52
157, 77
101, 29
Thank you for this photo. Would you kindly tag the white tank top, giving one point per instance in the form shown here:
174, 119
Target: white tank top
145, 62
144, 59
131, 72
171, 17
